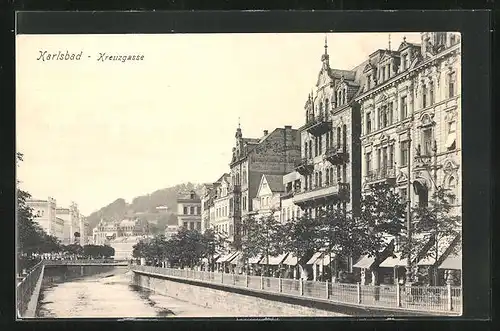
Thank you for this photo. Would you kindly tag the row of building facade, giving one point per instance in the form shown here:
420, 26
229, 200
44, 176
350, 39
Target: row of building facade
395, 118
68, 225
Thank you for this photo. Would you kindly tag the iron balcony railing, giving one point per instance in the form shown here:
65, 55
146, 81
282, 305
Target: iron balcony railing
432, 299
304, 166
318, 125
384, 173
340, 190
337, 154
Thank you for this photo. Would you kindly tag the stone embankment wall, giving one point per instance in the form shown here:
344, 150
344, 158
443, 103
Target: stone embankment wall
56, 274
233, 301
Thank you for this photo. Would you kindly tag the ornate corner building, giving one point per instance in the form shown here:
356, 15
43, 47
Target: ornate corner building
330, 163
410, 117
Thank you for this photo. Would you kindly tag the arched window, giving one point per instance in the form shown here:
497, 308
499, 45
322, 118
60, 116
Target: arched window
316, 179
327, 106
327, 179
331, 176
320, 178
345, 96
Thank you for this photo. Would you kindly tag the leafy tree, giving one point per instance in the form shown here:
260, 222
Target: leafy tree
214, 243
50, 244
382, 215
156, 248
190, 246
301, 235
108, 251
139, 249
73, 249
434, 226
263, 235
31, 237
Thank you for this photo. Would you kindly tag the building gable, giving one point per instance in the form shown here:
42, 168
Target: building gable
264, 189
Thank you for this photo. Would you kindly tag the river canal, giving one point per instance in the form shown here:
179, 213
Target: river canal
111, 294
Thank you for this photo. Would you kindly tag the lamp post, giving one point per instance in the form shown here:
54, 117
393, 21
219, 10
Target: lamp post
409, 276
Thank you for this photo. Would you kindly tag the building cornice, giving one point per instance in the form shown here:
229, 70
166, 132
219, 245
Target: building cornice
411, 72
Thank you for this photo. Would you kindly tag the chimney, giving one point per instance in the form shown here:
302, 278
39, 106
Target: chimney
266, 132
288, 127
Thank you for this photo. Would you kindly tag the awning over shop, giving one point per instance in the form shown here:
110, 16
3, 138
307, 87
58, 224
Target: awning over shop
314, 258
255, 259
273, 260
236, 259
392, 262
452, 262
291, 259
365, 262
326, 259
430, 258
226, 257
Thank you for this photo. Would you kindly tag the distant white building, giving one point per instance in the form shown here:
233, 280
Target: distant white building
44, 212
105, 232
170, 230
124, 246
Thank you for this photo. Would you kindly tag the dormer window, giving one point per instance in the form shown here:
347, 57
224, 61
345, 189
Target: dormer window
382, 75
388, 67
368, 82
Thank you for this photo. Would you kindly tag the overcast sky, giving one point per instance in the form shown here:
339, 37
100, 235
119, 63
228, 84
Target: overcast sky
92, 132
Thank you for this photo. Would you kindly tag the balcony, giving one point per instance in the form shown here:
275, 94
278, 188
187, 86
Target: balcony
288, 195
304, 166
422, 162
321, 195
380, 176
318, 125
337, 155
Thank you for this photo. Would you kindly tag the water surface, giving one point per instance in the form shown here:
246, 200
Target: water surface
112, 294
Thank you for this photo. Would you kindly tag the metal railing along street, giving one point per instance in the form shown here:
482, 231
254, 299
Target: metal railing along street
25, 287
432, 299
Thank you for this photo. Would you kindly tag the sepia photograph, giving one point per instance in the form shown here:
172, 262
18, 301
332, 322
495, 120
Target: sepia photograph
238, 175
